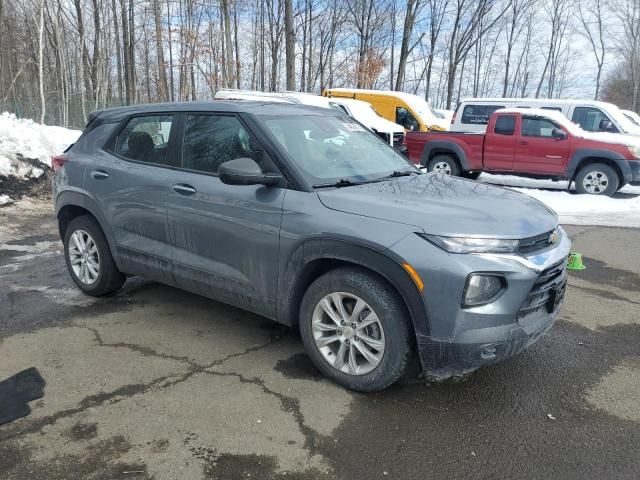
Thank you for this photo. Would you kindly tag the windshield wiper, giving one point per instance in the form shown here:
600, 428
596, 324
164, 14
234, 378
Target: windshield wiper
398, 173
343, 182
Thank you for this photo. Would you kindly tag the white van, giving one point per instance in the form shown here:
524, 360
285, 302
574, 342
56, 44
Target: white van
361, 111
473, 114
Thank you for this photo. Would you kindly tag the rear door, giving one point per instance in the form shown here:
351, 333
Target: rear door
500, 144
537, 150
225, 238
129, 179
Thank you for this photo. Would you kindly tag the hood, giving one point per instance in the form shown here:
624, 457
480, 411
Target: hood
448, 206
615, 138
385, 126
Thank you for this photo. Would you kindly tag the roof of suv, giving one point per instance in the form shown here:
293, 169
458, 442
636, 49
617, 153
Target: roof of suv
236, 106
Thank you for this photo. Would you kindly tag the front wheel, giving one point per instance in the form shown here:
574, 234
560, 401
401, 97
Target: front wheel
355, 329
444, 164
597, 179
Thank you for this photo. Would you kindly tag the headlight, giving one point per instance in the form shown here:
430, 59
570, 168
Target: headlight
481, 289
635, 150
473, 245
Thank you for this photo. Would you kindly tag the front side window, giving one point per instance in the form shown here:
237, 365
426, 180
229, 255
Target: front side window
211, 140
591, 119
405, 118
145, 139
538, 127
478, 114
505, 125
328, 149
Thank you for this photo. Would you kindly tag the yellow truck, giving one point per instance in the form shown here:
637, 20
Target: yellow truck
410, 111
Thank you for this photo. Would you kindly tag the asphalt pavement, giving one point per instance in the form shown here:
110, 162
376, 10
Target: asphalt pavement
154, 382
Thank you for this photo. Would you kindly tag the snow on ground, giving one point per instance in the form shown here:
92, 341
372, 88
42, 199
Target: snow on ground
5, 200
622, 210
30, 140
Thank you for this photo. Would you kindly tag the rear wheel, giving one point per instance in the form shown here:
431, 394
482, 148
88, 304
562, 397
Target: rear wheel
89, 259
355, 329
444, 164
597, 179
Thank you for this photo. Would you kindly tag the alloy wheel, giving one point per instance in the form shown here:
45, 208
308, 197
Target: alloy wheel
348, 333
595, 182
442, 167
84, 257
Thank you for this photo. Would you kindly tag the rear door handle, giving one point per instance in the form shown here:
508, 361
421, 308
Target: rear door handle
99, 174
184, 189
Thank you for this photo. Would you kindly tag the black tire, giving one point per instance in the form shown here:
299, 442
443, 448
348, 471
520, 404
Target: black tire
109, 278
442, 160
390, 311
470, 175
598, 172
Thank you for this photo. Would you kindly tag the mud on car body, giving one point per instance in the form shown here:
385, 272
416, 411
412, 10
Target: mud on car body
301, 215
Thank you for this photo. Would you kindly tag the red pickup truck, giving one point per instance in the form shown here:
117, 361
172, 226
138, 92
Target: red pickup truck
533, 143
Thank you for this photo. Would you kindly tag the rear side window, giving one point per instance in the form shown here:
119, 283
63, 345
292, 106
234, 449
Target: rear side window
211, 140
145, 139
589, 118
505, 125
478, 114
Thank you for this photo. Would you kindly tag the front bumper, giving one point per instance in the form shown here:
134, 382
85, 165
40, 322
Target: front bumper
454, 340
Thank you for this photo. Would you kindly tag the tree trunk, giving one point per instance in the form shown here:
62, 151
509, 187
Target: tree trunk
43, 106
162, 73
290, 39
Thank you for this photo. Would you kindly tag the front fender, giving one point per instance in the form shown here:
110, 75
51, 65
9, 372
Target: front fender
581, 154
304, 259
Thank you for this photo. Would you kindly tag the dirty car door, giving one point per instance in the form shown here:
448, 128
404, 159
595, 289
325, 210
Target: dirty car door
225, 238
129, 179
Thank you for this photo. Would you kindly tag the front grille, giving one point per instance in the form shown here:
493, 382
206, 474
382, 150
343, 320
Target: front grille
398, 138
547, 292
533, 244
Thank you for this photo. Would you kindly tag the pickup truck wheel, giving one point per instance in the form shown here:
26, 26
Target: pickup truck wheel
597, 179
355, 329
89, 259
444, 164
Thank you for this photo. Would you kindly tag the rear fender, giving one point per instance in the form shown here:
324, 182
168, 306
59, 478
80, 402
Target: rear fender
444, 146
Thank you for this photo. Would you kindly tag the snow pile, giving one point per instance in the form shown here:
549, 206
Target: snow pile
621, 210
5, 200
25, 139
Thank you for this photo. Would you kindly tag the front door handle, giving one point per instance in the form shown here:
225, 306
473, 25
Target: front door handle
524, 142
184, 189
99, 174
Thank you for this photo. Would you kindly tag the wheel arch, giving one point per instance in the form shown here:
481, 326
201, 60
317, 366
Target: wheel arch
440, 147
71, 204
315, 257
583, 158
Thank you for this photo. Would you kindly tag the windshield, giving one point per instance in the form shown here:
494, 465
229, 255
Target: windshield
627, 125
330, 149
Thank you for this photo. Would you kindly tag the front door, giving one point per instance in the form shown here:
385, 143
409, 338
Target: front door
500, 144
538, 151
225, 238
129, 179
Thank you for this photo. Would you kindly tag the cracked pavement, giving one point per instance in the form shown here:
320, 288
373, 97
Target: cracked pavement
154, 382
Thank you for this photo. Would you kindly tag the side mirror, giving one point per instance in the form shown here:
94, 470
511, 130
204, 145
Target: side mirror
558, 134
245, 171
605, 126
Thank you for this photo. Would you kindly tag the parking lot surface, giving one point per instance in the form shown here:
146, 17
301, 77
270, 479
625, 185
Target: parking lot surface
154, 382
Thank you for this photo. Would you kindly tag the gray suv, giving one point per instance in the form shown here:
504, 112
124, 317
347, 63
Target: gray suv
303, 216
